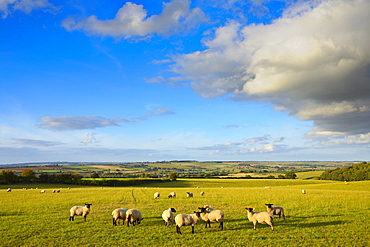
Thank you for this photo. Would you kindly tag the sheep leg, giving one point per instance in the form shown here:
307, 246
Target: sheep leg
114, 222
254, 225
128, 220
192, 229
221, 226
178, 229
85, 218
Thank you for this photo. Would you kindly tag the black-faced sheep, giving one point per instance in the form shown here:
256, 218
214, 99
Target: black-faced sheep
189, 194
260, 217
172, 195
212, 216
168, 216
275, 210
303, 191
9, 190
117, 214
79, 211
133, 217
202, 193
157, 195
186, 220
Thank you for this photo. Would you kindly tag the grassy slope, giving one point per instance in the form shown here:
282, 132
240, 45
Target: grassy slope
330, 214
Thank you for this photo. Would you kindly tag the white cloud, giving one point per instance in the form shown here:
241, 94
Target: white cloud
313, 63
132, 20
91, 138
26, 6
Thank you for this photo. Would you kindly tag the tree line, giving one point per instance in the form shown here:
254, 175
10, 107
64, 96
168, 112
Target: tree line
357, 172
29, 176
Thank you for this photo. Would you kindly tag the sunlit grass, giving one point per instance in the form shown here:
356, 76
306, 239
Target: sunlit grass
330, 214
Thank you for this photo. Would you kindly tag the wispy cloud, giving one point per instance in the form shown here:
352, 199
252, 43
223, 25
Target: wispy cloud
65, 123
132, 20
260, 139
26, 6
231, 126
32, 142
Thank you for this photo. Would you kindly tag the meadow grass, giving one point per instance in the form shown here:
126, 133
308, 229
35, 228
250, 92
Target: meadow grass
330, 214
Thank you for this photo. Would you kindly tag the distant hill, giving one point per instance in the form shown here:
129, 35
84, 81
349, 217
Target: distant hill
357, 172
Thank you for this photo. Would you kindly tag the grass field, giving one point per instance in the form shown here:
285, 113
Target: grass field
330, 214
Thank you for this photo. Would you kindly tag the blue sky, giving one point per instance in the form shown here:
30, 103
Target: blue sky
122, 81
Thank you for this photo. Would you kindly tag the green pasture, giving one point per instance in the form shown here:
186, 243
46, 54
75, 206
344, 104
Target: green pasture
329, 214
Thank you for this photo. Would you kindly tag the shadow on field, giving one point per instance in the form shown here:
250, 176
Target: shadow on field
11, 213
297, 222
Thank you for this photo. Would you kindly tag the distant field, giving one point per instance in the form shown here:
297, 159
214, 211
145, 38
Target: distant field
330, 214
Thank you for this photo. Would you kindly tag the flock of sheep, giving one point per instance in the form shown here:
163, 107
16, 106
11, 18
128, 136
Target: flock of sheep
206, 213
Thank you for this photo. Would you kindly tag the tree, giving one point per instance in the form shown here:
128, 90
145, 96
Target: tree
290, 175
173, 176
28, 175
94, 175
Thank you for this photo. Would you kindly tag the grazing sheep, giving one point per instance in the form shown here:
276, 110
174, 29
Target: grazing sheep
212, 216
172, 195
156, 195
189, 194
262, 217
202, 193
58, 191
303, 191
186, 220
117, 214
275, 210
134, 217
42, 191
9, 190
168, 216
209, 208
79, 211
53, 191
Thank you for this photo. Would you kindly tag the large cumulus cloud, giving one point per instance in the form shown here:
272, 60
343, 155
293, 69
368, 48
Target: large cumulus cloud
313, 63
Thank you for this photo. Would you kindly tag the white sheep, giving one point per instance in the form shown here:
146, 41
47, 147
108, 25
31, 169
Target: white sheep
303, 191
9, 190
53, 191
186, 220
202, 193
117, 214
260, 217
79, 211
172, 195
168, 216
157, 195
134, 217
42, 191
212, 216
189, 194
275, 210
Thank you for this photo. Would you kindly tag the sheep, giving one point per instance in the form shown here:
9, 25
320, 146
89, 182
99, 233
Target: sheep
260, 217
212, 216
189, 194
79, 210
275, 210
303, 191
9, 190
119, 213
53, 191
186, 220
202, 193
168, 216
58, 191
134, 217
42, 191
172, 195
209, 208
156, 195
